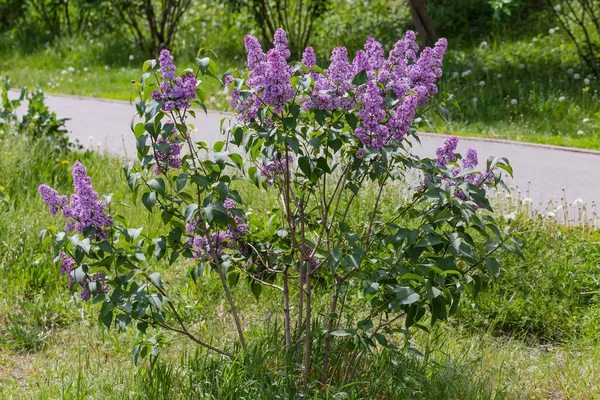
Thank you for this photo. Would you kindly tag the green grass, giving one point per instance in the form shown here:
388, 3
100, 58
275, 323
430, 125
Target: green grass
532, 334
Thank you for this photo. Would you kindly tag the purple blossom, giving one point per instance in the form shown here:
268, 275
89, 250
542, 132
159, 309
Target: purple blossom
269, 77
308, 57
67, 264
372, 133
173, 158
402, 119
445, 154
470, 159
84, 209
99, 278
277, 168
175, 92
52, 198
167, 68
228, 204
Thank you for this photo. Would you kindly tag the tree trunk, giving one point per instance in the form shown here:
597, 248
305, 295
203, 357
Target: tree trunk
422, 22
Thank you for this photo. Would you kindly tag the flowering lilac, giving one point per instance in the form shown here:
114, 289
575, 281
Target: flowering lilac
52, 198
402, 119
173, 158
228, 204
99, 278
167, 68
269, 77
67, 264
175, 92
445, 154
84, 209
374, 52
360, 62
277, 168
281, 43
426, 70
470, 160
308, 57
203, 248
372, 133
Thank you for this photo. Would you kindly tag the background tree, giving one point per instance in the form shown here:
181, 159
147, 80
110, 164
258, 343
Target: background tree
153, 24
297, 17
422, 22
581, 21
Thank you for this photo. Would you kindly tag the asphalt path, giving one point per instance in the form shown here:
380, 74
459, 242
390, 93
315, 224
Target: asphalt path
542, 173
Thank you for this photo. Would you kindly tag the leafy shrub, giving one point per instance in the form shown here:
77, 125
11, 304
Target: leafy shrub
38, 122
315, 139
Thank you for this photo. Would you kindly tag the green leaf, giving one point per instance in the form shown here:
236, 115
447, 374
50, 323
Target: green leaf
158, 185
181, 181
493, 265
190, 212
149, 200
406, 295
256, 289
155, 279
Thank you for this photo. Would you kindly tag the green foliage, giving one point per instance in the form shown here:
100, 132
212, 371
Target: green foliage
38, 122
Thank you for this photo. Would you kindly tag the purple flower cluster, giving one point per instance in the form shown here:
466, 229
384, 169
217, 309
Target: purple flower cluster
67, 267
269, 77
446, 155
175, 92
99, 278
84, 210
386, 103
202, 247
277, 168
173, 158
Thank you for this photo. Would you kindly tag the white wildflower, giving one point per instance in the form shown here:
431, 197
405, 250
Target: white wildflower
550, 214
485, 69
551, 31
499, 76
527, 200
483, 44
455, 74
586, 81
578, 202
561, 99
482, 83
521, 66
570, 71
514, 102
580, 132
131, 57
557, 7
585, 120
576, 76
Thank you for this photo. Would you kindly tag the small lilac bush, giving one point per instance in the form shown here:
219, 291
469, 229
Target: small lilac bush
317, 138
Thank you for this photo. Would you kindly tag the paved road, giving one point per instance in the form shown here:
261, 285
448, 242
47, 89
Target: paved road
545, 170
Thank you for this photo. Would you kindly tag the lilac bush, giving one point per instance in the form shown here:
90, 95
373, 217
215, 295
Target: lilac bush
318, 140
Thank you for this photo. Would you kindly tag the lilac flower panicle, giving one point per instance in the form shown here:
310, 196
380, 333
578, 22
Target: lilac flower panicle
308, 57
228, 204
372, 133
167, 68
277, 168
84, 210
67, 264
470, 159
52, 198
445, 154
171, 160
175, 92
